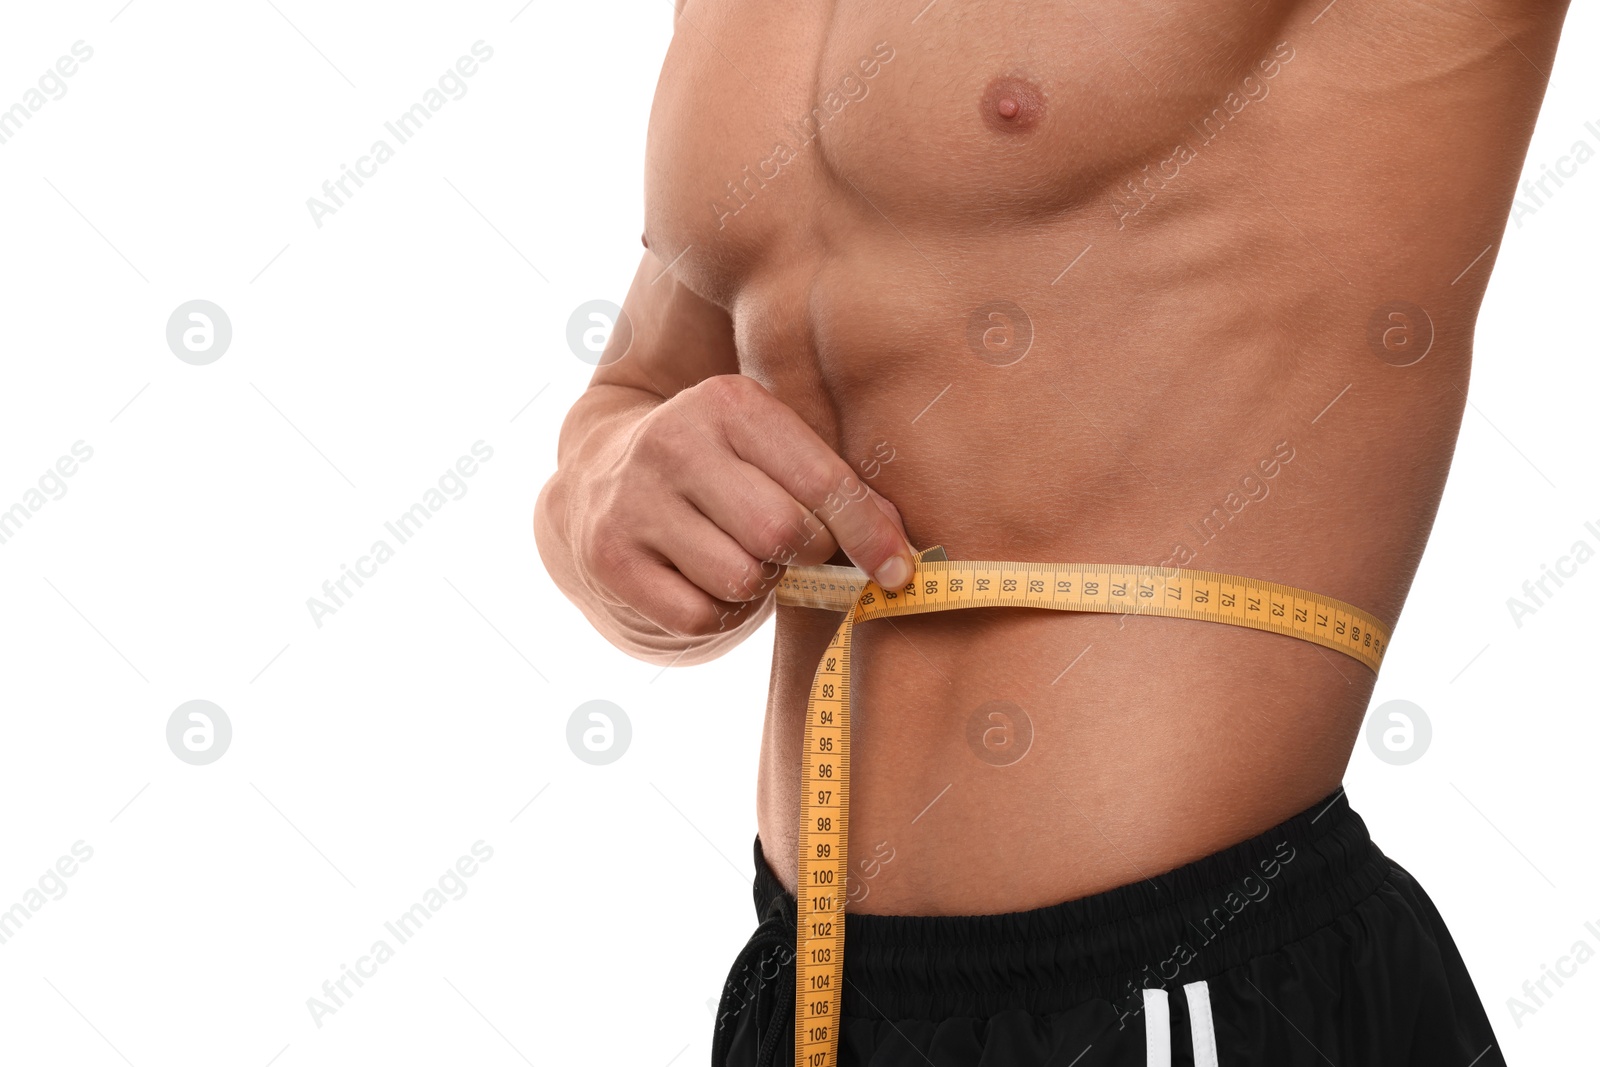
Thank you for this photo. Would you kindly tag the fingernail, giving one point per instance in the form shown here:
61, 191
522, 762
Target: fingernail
893, 573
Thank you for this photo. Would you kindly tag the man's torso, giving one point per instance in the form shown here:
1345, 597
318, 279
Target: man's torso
1130, 285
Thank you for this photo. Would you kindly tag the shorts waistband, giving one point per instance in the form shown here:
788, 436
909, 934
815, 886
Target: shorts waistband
1181, 926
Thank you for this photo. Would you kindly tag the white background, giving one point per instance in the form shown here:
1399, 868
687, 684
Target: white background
369, 753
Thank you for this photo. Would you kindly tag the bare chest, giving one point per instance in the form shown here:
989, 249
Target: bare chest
773, 129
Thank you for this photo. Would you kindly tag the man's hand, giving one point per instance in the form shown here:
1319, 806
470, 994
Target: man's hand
715, 491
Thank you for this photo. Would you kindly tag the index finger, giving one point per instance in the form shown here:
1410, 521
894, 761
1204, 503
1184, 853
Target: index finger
777, 441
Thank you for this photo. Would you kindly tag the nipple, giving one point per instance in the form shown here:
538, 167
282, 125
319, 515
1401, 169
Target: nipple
1012, 104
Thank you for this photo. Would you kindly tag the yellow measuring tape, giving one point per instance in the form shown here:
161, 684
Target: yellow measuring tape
942, 584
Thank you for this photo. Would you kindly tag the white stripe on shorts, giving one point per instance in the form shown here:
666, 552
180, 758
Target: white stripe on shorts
1157, 1029
1201, 1025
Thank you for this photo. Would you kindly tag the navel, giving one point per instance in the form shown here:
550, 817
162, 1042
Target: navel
1012, 104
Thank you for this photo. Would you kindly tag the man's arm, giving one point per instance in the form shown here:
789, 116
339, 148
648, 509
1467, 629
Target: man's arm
682, 486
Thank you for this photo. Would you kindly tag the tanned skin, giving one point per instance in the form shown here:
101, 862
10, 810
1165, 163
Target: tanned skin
1188, 219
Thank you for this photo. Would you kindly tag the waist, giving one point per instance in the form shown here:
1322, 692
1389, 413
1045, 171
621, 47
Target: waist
1068, 750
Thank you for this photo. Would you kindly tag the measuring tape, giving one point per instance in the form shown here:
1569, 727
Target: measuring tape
941, 584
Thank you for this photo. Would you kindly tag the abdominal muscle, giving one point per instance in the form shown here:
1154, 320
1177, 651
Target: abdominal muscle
1004, 759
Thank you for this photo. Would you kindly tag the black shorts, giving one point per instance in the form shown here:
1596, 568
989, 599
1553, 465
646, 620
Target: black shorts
1302, 946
